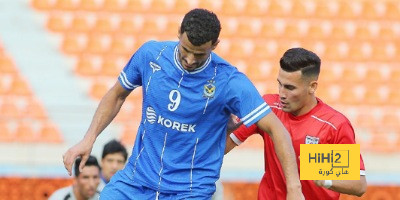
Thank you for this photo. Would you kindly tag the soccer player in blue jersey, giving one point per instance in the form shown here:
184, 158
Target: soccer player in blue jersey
189, 93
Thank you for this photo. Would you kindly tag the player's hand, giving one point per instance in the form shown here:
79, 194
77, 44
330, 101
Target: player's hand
233, 123
82, 149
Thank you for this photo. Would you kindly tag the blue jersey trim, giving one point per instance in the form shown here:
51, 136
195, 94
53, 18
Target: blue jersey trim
256, 114
124, 80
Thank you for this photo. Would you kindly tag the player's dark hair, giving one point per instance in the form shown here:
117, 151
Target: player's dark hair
201, 26
114, 146
92, 161
301, 59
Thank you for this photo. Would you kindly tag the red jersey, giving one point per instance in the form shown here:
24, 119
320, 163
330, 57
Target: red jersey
322, 125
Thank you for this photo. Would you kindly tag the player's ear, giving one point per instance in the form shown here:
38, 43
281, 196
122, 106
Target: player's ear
215, 44
313, 87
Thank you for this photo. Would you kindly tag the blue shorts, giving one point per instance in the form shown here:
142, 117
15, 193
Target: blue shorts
122, 187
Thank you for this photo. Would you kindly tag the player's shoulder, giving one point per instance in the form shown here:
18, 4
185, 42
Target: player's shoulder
330, 114
157, 46
271, 99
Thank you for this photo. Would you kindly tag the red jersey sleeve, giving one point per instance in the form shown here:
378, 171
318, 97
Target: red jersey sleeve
345, 135
243, 132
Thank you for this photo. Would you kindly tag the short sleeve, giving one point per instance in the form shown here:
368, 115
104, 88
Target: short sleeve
242, 133
131, 76
244, 100
345, 135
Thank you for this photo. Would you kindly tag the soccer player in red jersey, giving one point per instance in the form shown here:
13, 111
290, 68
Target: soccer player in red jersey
309, 121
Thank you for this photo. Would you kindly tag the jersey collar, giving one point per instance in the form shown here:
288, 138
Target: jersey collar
179, 66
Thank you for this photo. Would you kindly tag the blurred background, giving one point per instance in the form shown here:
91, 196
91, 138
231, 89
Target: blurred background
59, 57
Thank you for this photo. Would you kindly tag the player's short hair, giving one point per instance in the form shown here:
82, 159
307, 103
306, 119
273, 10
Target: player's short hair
114, 146
201, 26
92, 161
296, 59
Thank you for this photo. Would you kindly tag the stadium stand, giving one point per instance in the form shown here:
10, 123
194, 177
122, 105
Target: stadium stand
22, 115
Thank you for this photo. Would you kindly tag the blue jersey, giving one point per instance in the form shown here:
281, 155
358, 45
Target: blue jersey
180, 143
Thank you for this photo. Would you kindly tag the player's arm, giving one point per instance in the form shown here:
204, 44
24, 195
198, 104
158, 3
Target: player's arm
108, 108
351, 187
233, 124
345, 135
230, 144
285, 152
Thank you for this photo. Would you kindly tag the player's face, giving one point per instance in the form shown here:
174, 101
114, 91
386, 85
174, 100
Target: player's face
294, 92
111, 163
87, 181
192, 57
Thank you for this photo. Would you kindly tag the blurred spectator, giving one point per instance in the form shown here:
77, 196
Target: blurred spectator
85, 183
113, 159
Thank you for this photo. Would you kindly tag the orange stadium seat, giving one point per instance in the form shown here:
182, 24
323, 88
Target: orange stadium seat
276, 9
374, 75
391, 120
299, 9
49, 133
292, 31
231, 8
160, 6
64, 5
346, 9
7, 65
135, 6
183, 6
387, 33
151, 26
335, 51
25, 132
42, 4
385, 51
348, 96
88, 5
80, 24
325, 9
363, 32
85, 67
96, 44
5, 133
339, 32
35, 110
392, 10
394, 96
119, 46
20, 87
103, 24
9, 109
394, 75
127, 26
71, 44
369, 10
173, 26
98, 90
256, 8
110, 67
245, 29
111, 5
56, 23
269, 30
315, 31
